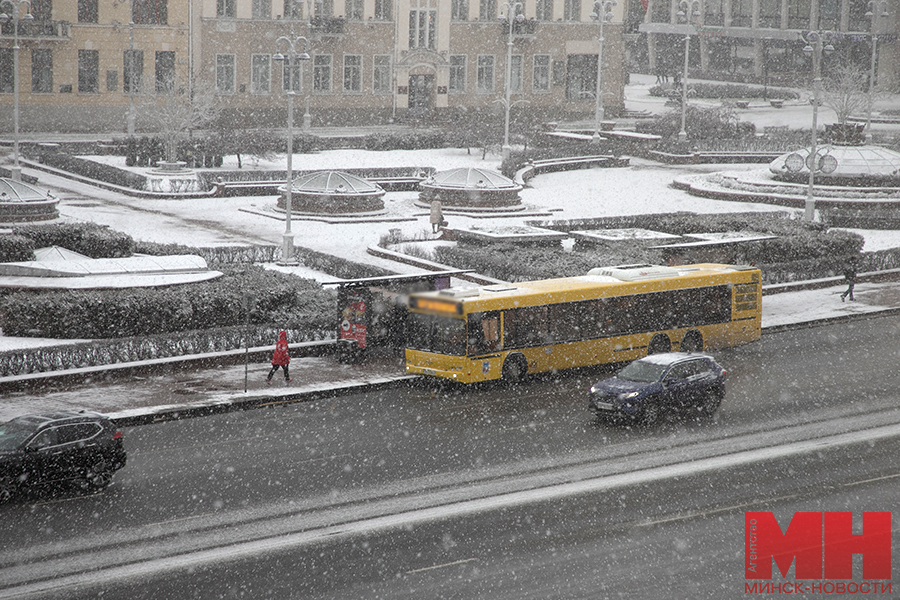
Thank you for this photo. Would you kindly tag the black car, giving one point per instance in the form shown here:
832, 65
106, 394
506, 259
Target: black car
48, 449
650, 387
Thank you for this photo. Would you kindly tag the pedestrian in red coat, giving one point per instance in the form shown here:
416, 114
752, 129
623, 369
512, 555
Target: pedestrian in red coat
281, 358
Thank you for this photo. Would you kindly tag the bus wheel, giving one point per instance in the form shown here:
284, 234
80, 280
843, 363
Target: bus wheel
692, 341
514, 369
659, 343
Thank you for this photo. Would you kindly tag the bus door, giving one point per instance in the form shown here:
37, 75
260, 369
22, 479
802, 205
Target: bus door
484, 343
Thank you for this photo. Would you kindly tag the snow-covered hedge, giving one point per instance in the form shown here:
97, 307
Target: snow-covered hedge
90, 239
16, 248
281, 301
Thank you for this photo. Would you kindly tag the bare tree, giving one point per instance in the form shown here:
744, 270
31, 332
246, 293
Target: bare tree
845, 91
175, 113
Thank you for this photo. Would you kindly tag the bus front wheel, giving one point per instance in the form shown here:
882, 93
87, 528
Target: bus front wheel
659, 344
514, 369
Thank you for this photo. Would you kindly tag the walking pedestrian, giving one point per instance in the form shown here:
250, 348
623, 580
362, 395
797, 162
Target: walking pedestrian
281, 358
437, 215
850, 276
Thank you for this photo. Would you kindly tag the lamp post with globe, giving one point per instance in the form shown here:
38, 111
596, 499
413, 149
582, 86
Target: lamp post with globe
513, 15
872, 13
816, 46
688, 10
15, 7
602, 13
290, 59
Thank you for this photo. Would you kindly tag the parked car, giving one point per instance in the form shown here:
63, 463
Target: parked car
47, 449
667, 383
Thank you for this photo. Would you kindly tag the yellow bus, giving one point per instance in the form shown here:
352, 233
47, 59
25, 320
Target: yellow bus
610, 315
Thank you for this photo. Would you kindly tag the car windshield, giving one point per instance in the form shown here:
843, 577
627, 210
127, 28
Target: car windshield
642, 372
14, 433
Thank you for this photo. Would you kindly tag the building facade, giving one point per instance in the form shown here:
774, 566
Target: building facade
760, 40
82, 63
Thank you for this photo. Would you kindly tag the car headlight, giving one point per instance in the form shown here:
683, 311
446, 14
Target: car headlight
593, 390
628, 396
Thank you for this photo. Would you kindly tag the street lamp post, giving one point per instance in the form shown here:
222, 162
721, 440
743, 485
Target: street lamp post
287, 251
513, 14
130, 119
815, 46
602, 13
15, 6
688, 10
871, 14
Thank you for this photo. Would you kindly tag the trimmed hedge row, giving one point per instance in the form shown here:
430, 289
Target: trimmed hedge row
90, 239
810, 250
94, 170
133, 349
281, 299
16, 248
727, 91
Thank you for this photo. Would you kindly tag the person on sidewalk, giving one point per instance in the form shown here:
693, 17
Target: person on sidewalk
850, 276
281, 358
437, 215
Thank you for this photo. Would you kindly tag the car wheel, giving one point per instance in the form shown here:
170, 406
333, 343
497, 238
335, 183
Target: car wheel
710, 404
514, 369
659, 344
98, 476
7, 489
650, 415
692, 342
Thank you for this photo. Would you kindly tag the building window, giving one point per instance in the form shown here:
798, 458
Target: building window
260, 73
292, 76
225, 73
487, 10
42, 71
515, 74
830, 13
572, 10
770, 13
293, 9
112, 81
150, 12
383, 11
225, 9
798, 14
422, 21
322, 73
544, 10
485, 78
354, 10
741, 13
88, 11
132, 71
88, 71
714, 12
165, 72
541, 79
6, 70
457, 74
41, 10
581, 77
352, 73
381, 74
324, 9
261, 9
459, 10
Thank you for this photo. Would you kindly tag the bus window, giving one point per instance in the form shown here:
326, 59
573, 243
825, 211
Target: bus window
484, 333
524, 327
431, 333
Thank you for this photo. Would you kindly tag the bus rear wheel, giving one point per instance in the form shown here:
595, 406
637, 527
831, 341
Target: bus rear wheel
514, 369
659, 343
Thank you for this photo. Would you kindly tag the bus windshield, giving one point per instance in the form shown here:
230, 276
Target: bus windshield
431, 333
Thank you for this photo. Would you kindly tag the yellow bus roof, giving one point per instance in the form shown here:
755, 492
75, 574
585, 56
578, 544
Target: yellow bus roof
599, 283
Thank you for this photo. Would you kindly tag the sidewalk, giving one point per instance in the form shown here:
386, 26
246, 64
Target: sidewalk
134, 399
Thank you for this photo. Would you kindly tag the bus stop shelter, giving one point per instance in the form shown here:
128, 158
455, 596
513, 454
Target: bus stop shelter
371, 312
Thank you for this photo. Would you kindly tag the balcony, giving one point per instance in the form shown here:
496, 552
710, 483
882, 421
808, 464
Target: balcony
40, 30
327, 25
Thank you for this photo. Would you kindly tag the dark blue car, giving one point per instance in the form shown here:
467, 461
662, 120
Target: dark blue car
668, 383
